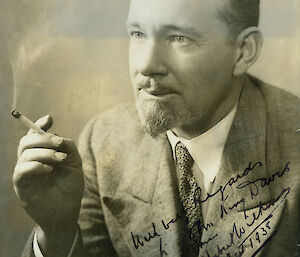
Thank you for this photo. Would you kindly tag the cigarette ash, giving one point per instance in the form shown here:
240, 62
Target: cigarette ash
16, 114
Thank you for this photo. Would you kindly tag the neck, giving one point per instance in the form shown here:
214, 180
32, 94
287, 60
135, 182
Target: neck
215, 115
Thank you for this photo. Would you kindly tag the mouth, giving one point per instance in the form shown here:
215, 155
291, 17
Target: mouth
156, 92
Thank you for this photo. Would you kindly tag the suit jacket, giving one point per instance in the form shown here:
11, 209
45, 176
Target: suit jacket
131, 205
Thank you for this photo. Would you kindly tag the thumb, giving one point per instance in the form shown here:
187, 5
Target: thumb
44, 123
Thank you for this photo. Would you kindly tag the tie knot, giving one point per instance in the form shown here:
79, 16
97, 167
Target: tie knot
183, 157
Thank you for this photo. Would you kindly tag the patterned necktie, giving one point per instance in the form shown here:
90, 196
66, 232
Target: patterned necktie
188, 190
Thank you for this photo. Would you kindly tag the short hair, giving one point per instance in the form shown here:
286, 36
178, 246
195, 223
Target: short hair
240, 14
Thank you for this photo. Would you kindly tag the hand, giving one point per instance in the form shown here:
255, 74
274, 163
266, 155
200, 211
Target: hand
48, 181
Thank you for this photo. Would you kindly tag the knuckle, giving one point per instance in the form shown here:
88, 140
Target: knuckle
25, 155
22, 142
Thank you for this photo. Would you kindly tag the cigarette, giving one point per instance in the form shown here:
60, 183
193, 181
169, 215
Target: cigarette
27, 122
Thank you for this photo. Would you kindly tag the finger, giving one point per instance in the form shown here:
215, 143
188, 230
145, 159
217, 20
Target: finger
46, 156
44, 123
69, 146
24, 172
38, 140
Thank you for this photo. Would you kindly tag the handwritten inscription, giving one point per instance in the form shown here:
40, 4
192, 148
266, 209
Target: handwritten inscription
249, 232
222, 188
263, 182
258, 233
140, 241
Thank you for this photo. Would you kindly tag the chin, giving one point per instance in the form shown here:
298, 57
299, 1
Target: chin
159, 116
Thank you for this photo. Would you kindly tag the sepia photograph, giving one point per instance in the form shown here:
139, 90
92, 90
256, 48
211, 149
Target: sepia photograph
162, 128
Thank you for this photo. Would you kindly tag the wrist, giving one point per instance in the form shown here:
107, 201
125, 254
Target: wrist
56, 243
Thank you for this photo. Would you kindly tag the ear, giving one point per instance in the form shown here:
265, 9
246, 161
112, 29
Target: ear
248, 45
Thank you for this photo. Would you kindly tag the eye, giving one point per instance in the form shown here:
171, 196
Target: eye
137, 34
179, 39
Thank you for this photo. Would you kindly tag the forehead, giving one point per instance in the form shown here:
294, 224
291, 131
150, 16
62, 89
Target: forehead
201, 14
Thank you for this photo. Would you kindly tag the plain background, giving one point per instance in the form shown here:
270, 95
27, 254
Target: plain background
72, 59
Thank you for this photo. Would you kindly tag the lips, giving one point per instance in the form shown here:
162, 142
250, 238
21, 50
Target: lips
157, 92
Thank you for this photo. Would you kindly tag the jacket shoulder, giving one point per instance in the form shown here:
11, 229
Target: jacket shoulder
282, 107
282, 123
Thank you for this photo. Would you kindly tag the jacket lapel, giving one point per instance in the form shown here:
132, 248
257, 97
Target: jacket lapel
244, 159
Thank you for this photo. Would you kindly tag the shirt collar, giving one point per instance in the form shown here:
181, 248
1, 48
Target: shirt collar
207, 149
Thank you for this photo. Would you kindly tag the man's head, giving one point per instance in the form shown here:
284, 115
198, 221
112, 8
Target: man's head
185, 58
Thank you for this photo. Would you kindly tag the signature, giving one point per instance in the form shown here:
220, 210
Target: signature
250, 232
254, 190
258, 233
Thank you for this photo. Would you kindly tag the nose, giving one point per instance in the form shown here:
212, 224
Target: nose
151, 62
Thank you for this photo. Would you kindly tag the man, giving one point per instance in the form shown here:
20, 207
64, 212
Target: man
207, 166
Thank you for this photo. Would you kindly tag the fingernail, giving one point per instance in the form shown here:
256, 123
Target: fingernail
56, 140
60, 156
47, 167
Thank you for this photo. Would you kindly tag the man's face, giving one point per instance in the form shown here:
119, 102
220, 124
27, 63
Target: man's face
181, 62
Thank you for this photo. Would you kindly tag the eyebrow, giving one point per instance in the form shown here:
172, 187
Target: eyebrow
166, 27
182, 28
132, 24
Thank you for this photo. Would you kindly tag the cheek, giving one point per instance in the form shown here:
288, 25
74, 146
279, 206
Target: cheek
212, 61
204, 76
205, 68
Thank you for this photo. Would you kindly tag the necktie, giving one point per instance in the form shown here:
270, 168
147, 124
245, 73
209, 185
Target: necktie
188, 190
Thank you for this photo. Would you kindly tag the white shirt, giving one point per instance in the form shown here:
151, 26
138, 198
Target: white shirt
206, 150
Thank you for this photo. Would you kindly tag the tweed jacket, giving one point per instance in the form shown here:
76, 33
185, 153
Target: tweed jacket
131, 205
